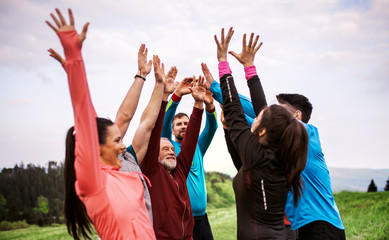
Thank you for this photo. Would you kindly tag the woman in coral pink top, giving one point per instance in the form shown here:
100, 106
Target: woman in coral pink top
96, 191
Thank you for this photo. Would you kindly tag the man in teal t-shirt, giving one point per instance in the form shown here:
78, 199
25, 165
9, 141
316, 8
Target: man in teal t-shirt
176, 125
316, 215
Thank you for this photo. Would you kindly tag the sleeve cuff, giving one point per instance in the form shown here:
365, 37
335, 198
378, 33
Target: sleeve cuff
176, 98
250, 71
211, 110
224, 68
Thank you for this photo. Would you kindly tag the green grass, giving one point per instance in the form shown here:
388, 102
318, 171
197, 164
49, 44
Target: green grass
364, 215
58, 232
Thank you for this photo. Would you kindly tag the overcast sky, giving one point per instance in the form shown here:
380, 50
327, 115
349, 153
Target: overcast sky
334, 52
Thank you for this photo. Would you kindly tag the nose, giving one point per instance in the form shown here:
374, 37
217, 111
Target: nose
122, 146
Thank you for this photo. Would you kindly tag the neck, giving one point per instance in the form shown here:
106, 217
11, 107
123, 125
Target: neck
115, 163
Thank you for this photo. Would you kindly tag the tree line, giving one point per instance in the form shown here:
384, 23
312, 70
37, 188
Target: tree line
32, 193
373, 187
35, 194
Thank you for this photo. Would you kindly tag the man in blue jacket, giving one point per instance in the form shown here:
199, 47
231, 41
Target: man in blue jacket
176, 125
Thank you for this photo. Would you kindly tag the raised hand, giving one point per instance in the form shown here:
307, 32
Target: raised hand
170, 83
56, 56
222, 46
208, 99
62, 26
246, 56
143, 66
183, 87
207, 74
198, 89
159, 70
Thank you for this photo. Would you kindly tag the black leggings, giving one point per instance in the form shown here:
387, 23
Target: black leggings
320, 230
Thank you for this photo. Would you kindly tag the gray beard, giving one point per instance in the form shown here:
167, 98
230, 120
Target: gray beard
168, 165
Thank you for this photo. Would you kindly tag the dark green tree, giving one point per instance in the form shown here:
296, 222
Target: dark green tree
387, 185
3, 208
372, 187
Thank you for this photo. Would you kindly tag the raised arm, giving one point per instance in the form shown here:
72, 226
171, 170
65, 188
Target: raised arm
142, 135
189, 143
244, 141
150, 161
87, 145
230, 146
209, 130
246, 58
130, 103
181, 90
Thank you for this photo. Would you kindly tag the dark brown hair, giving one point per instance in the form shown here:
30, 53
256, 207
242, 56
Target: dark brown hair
179, 115
76, 217
289, 139
299, 102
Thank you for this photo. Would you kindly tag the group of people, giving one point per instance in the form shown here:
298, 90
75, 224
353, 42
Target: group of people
155, 188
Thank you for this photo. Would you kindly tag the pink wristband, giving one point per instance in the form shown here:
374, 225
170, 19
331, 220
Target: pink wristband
250, 71
224, 68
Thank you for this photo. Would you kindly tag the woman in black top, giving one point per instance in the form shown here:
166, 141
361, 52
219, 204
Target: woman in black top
273, 153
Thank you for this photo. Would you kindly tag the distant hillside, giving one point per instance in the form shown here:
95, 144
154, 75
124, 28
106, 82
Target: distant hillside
342, 179
357, 179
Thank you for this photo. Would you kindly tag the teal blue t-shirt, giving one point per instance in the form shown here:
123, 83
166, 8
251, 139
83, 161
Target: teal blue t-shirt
317, 201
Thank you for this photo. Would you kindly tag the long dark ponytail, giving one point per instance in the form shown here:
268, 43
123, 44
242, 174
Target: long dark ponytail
289, 139
293, 154
77, 220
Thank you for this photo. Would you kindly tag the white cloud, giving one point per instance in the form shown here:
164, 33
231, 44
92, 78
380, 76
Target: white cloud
335, 52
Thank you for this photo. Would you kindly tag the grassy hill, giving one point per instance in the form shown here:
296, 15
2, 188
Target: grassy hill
364, 215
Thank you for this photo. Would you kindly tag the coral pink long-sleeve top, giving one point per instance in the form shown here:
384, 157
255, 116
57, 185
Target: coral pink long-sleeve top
114, 200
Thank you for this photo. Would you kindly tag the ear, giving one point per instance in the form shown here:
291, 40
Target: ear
298, 115
262, 132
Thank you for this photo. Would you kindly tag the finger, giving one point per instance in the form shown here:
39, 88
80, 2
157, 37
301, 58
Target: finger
244, 40
175, 72
71, 17
55, 20
155, 62
229, 35
234, 54
222, 36
150, 63
55, 55
217, 42
163, 69
85, 29
201, 81
146, 50
170, 72
257, 48
60, 16
141, 49
251, 40
204, 68
256, 40
51, 26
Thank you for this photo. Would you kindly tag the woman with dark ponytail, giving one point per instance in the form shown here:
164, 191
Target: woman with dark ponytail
96, 191
273, 152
